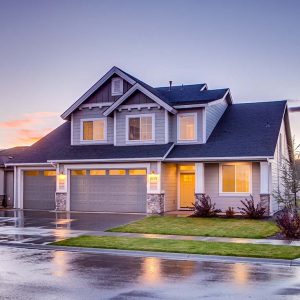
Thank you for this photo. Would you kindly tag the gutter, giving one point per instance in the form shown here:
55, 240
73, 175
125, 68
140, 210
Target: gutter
208, 159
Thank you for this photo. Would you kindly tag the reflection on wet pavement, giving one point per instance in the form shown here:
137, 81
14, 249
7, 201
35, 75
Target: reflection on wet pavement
42, 227
45, 274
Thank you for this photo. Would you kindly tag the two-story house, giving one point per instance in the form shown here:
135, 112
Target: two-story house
128, 147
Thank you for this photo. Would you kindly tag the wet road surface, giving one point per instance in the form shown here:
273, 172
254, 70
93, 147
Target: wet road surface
48, 274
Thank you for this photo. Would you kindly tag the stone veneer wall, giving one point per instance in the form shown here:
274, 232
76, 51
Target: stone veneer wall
155, 203
61, 201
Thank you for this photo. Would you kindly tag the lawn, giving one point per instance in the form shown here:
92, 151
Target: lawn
219, 227
179, 246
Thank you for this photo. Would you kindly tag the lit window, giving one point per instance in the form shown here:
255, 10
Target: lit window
137, 172
32, 173
78, 172
187, 168
236, 178
49, 173
93, 130
140, 128
117, 172
187, 127
117, 86
97, 172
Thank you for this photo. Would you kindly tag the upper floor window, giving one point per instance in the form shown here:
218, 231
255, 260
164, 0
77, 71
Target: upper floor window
117, 86
93, 130
235, 178
140, 128
187, 127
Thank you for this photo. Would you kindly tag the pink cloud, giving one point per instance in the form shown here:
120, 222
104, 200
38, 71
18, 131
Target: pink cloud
15, 123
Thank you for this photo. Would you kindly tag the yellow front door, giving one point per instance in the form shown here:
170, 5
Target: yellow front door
187, 190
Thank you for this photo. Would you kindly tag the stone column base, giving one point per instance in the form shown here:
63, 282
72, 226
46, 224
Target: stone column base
198, 197
265, 202
155, 203
61, 201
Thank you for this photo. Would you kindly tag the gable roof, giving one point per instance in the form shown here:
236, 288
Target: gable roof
95, 87
244, 130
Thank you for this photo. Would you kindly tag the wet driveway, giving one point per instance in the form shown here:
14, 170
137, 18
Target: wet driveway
48, 274
40, 227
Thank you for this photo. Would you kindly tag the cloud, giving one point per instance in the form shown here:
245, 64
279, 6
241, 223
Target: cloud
27, 129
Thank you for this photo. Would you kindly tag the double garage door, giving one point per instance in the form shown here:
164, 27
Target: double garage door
90, 190
108, 190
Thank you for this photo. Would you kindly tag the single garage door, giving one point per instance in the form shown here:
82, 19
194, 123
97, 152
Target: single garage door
109, 190
39, 189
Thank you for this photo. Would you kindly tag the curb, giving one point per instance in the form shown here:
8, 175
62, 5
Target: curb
162, 255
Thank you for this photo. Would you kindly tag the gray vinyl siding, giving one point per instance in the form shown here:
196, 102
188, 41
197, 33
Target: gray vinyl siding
173, 125
137, 98
169, 186
9, 188
223, 202
159, 125
87, 113
213, 115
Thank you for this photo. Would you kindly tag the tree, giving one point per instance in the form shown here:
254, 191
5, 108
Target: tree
287, 193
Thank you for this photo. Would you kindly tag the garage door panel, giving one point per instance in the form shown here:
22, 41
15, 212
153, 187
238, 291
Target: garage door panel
115, 193
39, 191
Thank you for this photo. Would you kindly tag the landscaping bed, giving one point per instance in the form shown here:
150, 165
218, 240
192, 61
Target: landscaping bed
180, 246
213, 227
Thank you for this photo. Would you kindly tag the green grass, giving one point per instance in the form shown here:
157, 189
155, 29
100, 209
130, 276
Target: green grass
219, 227
179, 246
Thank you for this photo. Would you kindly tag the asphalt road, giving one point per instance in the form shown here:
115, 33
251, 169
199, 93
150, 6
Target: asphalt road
47, 274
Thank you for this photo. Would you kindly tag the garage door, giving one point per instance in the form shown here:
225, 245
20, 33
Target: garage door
109, 190
39, 189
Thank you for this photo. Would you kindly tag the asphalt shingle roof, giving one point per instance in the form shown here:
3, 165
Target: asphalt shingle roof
244, 130
7, 154
249, 129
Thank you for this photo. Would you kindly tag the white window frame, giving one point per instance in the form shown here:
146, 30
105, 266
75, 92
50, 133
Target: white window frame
221, 193
118, 93
82, 141
128, 141
179, 140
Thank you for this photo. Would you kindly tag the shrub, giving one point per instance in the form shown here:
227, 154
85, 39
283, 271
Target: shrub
288, 221
230, 212
250, 210
204, 207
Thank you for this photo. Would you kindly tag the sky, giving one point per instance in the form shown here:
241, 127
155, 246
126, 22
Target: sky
51, 52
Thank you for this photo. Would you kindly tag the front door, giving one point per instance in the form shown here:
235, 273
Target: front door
187, 190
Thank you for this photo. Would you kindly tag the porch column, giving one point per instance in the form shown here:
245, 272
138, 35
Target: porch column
155, 197
61, 189
265, 190
199, 181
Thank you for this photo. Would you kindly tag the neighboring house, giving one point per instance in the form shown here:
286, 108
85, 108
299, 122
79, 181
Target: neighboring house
128, 147
7, 175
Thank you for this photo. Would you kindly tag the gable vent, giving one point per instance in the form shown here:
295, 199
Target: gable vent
117, 86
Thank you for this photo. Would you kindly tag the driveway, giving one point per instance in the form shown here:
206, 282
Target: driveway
48, 274
40, 227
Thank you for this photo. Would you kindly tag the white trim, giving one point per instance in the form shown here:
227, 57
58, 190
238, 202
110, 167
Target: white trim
207, 159
82, 141
221, 193
107, 160
199, 178
139, 141
15, 187
195, 115
47, 164
204, 138
137, 86
95, 105
167, 153
115, 128
98, 84
190, 106
118, 93
72, 124
264, 177
204, 87
138, 106
167, 138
